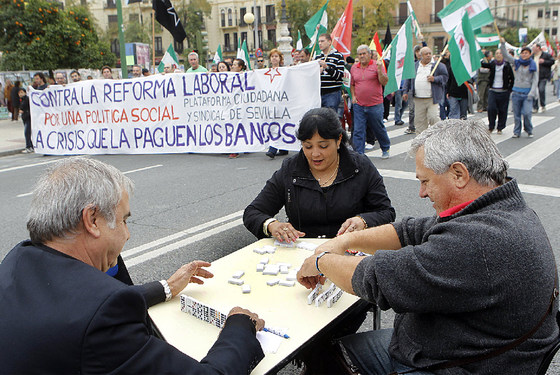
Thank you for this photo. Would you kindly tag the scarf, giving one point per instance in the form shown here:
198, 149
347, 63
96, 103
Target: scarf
530, 62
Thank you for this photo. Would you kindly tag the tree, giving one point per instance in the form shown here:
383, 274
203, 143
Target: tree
137, 33
38, 35
369, 16
511, 35
192, 15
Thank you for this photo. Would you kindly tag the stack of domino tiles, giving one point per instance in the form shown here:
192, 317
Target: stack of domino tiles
273, 269
236, 280
201, 311
331, 295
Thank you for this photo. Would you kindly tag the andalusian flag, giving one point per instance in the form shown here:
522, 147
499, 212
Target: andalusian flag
486, 40
169, 58
243, 54
478, 11
299, 43
218, 55
401, 65
415, 24
316, 26
465, 52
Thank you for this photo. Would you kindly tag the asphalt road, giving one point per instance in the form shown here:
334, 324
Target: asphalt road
189, 206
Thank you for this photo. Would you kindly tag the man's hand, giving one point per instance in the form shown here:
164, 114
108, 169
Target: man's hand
188, 274
352, 224
431, 79
284, 232
405, 97
259, 323
308, 276
380, 64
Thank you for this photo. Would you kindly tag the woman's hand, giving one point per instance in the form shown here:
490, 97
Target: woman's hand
188, 274
284, 232
353, 224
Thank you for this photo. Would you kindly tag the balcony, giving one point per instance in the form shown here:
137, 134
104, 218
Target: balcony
434, 18
110, 4
229, 48
400, 20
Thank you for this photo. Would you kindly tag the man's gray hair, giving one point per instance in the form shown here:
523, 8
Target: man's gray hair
464, 141
193, 54
363, 46
66, 189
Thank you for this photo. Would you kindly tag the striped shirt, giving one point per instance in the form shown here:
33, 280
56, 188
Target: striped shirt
331, 78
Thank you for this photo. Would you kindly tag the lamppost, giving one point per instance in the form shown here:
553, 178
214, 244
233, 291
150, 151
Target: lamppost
249, 18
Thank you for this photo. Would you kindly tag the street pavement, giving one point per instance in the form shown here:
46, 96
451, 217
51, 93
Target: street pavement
189, 206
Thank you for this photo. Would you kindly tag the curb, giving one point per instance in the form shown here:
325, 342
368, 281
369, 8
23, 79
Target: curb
11, 152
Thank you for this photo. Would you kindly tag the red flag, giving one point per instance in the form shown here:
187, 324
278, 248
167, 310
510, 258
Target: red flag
377, 44
342, 32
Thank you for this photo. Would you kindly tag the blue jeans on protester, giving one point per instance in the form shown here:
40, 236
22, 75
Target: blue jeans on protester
331, 100
444, 108
522, 106
458, 107
372, 116
370, 352
400, 105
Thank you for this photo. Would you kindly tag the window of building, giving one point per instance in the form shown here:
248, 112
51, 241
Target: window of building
438, 44
227, 42
134, 17
270, 13
235, 40
438, 5
242, 13
271, 35
244, 36
554, 31
115, 47
223, 17
260, 39
178, 46
547, 13
403, 13
230, 17
111, 4
257, 14
158, 45
112, 19
555, 13
540, 13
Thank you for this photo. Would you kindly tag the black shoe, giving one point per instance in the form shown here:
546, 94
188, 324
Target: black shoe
282, 152
270, 154
399, 123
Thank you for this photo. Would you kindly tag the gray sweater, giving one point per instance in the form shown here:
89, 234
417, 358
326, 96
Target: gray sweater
524, 79
466, 284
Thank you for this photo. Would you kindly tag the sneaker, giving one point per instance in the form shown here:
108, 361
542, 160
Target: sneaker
399, 122
270, 154
530, 135
385, 155
384, 120
543, 109
490, 131
282, 152
28, 150
499, 132
515, 136
233, 156
535, 110
409, 131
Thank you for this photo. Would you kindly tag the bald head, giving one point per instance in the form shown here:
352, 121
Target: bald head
425, 55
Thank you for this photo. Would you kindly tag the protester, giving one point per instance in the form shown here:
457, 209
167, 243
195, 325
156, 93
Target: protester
545, 62
26, 118
326, 189
14, 100
465, 283
39, 81
195, 66
411, 129
427, 90
8, 95
107, 72
501, 83
366, 87
223, 67
444, 107
305, 55
457, 95
145, 72
332, 72
76, 76
556, 77
68, 315
260, 63
238, 65
168, 68
214, 68
276, 59
59, 78
525, 89
482, 82
136, 71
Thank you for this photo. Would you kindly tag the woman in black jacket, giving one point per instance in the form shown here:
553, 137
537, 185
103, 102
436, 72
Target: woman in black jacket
501, 84
326, 188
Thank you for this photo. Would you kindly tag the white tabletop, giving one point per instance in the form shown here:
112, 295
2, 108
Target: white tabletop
280, 306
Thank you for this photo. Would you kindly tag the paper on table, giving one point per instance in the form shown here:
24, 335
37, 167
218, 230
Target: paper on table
269, 341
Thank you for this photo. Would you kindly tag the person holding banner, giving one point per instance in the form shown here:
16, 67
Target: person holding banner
195, 66
326, 189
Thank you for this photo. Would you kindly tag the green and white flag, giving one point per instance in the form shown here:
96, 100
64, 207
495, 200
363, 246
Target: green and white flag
169, 58
465, 52
218, 55
478, 11
316, 26
299, 43
415, 24
486, 40
243, 54
401, 65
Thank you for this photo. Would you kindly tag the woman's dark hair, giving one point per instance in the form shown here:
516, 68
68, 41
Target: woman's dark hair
526, 49
324, 121
241, 63
224, 63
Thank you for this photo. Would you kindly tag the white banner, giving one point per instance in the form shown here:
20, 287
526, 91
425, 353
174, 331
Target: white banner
176, 113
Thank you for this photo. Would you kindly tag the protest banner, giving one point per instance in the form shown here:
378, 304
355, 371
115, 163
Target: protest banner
176, 113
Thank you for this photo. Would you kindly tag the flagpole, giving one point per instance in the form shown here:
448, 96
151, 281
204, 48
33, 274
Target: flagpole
154, 40
497, 30
122, 47
439, 60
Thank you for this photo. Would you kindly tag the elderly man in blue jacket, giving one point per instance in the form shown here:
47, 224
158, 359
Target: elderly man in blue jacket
427, 89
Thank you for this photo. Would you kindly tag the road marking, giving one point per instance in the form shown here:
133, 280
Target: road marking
23, 195
176, 245
527, 157
143, 169
529, 189
28, 166
186, 232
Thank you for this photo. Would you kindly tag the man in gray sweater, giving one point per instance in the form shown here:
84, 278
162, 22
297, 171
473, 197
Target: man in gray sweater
465, 282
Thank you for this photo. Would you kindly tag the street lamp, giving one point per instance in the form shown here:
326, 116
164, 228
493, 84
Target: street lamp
249, 18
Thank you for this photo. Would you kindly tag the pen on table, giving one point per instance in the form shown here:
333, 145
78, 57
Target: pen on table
276, 332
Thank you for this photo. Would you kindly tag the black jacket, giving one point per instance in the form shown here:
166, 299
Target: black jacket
508, 76
62, 316
358, 189
452, 88
24, 106
544, 68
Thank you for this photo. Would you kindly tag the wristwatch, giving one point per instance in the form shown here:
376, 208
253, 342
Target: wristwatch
317, 262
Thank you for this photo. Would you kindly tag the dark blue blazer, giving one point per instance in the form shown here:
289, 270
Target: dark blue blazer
59, 315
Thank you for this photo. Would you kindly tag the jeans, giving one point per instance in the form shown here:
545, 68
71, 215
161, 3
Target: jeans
27, 133
411, 113
542, 94
458, 107
444, 109
372, 116
370, 352
331, 100
400, 105
498, 102
522, 105
557, 87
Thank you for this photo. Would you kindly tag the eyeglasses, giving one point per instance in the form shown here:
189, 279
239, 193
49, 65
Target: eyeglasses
260, 60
